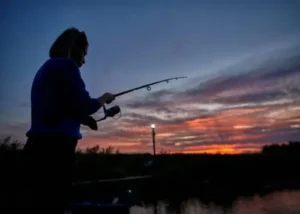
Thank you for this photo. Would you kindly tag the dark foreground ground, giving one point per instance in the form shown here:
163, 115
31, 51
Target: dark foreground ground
210, 177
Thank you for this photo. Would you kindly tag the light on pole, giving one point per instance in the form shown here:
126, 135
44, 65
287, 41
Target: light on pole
153, 137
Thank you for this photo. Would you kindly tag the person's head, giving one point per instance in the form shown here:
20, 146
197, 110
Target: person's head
73, 44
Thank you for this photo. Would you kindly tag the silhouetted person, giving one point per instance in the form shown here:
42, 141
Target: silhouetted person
59, 105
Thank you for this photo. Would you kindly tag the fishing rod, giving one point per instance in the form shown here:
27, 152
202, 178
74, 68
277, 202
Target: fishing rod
147, 86
111, 112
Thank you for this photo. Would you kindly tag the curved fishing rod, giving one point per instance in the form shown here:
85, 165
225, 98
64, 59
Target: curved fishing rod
111, 112
148, 86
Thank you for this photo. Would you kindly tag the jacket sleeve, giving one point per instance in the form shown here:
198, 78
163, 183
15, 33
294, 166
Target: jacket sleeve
76, 99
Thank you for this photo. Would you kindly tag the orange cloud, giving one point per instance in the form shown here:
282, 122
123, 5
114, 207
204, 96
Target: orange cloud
231, 131
223, 149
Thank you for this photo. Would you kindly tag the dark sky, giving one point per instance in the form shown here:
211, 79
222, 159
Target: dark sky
241, 59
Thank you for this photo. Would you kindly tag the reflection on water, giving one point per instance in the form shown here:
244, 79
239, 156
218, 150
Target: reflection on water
283, 202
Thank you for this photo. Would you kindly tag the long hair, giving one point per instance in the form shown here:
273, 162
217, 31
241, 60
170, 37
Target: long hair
68, 40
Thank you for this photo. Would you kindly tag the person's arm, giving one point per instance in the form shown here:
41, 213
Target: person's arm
77, 101
90, 122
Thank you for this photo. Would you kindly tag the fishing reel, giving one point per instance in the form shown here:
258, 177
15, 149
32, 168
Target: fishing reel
111, 112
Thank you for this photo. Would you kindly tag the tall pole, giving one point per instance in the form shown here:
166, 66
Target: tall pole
153, 137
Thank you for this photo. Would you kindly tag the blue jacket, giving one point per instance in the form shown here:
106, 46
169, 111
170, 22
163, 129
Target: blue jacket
59, 100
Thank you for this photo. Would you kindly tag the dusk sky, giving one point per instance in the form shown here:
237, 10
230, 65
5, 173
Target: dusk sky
242, 60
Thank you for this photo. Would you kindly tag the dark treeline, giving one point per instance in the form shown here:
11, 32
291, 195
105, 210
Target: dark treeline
274, 167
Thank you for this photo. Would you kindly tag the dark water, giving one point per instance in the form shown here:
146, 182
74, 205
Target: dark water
280, 202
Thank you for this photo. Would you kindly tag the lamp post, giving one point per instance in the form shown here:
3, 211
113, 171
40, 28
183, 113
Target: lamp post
153, 137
